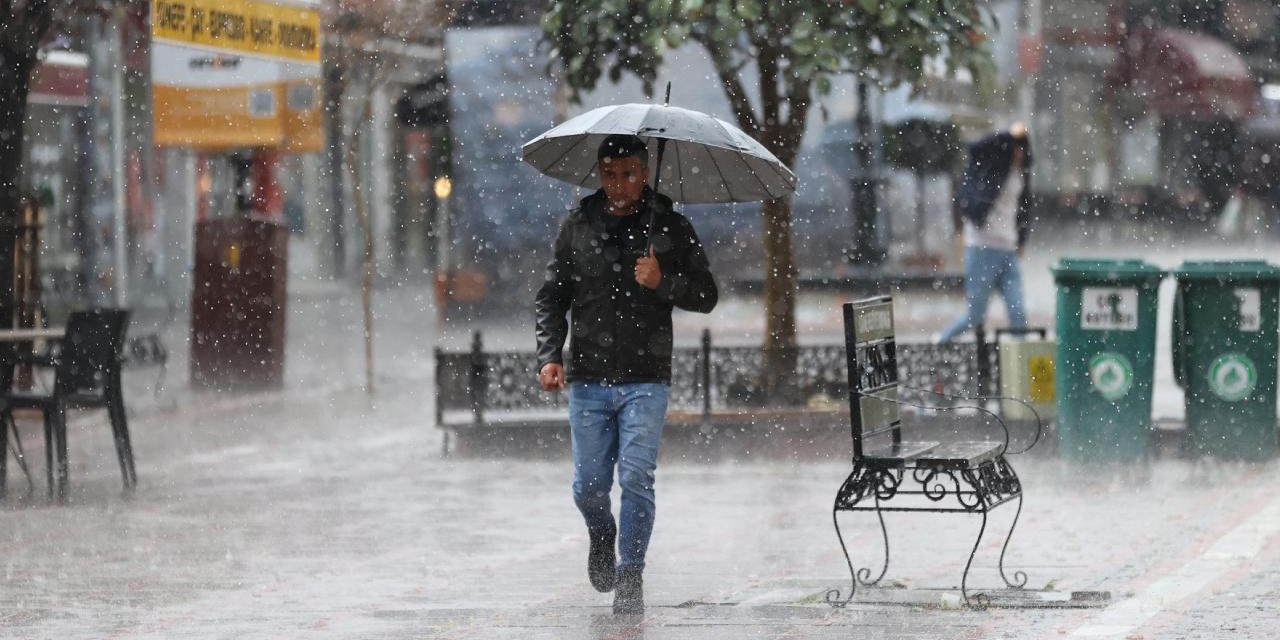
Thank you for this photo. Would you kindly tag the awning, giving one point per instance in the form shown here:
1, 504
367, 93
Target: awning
61, 79
1181, 73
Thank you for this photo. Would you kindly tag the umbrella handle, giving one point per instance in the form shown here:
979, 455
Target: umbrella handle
657, 179
657, 173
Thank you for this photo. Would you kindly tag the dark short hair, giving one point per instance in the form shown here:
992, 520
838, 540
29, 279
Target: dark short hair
620, 145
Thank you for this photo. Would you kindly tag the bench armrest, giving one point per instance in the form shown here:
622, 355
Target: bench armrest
983, 399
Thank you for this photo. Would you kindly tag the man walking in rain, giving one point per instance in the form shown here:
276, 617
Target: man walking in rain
622, 260
994, 206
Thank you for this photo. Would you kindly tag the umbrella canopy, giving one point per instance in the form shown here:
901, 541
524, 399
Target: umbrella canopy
706, 159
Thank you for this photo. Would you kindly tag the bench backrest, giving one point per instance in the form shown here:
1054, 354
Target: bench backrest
872, 357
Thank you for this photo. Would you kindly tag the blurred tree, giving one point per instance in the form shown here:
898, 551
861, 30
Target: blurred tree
25, 27
365, 44
925, 148
793, 49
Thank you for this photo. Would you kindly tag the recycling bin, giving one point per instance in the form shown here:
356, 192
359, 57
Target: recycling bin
1106, 357
1224, 356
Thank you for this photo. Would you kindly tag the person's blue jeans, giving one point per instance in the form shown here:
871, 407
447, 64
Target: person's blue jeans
617, 424
986, 270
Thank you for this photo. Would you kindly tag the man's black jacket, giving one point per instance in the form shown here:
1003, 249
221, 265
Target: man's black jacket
621, 330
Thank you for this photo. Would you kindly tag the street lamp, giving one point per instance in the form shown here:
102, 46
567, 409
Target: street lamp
443, 187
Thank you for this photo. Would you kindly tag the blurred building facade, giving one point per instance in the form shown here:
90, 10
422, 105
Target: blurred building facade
1141, 107
120, 209
1123, 98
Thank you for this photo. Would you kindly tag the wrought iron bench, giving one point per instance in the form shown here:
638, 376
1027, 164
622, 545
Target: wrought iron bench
891, 473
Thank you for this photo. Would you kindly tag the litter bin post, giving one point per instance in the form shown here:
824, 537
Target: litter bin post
1105, 358
1225, 340
1026, 373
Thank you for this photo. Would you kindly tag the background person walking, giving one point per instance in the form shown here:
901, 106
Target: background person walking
993, 204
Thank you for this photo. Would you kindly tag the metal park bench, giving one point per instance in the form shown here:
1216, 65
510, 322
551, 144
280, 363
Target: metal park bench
891, 473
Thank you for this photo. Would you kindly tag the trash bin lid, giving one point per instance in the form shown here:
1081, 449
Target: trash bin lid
1228, 270
1097, 270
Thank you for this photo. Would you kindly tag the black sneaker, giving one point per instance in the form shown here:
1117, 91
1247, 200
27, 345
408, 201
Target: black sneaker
601, 560
628, 599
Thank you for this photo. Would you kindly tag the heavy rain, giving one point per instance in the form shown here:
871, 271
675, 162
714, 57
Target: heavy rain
689, 319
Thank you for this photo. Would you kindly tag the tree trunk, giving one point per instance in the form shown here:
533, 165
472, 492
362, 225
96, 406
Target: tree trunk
334, 86
15, 77
780, 350
366, 229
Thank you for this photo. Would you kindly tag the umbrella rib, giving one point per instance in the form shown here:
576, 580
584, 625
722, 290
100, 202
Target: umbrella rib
743, 159
549, 140
566, 153
785, 180
723, 180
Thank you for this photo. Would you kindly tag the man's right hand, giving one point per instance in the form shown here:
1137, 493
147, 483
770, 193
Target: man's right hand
551, 376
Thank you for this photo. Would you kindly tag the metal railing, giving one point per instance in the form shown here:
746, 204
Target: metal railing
706, 378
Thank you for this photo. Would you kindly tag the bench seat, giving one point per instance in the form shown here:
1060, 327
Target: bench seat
899, 453
960, 455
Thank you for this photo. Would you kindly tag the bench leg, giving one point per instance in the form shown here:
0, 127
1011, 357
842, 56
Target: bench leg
964, 578
1019, 577
861, 576
865, 573
833, 595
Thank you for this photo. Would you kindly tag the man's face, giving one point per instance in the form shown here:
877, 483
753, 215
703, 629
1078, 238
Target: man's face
623, 179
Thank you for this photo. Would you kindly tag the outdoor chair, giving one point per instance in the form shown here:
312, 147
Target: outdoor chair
7, 426
86, 365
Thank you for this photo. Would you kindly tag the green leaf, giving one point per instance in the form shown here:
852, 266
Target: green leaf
676, 35
889, 16
750, 9
870, 6
803, 46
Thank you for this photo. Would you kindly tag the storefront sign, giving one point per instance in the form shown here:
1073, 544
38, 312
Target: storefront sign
236, 73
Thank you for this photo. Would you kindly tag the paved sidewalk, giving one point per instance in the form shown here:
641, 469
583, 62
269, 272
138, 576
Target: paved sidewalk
322, 514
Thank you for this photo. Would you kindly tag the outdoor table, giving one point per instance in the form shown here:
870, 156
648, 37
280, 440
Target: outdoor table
26, 335
23, 378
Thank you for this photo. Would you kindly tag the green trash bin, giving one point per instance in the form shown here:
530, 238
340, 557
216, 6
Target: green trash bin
1225, 341
1106, 357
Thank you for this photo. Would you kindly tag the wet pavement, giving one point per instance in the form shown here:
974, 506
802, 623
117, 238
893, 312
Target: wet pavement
317, 512
322, 514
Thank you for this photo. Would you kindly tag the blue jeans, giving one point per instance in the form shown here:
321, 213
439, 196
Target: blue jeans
617, 424
985, 270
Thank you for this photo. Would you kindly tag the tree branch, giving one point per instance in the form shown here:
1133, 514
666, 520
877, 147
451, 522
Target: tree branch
770, 100
799, 98
732, 84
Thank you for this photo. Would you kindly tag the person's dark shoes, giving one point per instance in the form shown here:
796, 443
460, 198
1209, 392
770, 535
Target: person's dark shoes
628, 595
601, 559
